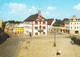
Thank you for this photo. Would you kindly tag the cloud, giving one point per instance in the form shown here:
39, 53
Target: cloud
46, 12
16, 11
33, 9
77, 7
15, 7
51, 8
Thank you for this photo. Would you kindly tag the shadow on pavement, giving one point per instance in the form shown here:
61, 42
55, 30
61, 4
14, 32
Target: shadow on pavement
3, 38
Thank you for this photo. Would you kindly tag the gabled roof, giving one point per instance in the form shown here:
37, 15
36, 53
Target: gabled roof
57, 23
49, 21
33, 18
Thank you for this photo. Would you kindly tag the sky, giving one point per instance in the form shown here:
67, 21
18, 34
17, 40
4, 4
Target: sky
19, 10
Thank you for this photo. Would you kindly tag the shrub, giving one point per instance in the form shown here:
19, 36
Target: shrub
77, 41
73, 38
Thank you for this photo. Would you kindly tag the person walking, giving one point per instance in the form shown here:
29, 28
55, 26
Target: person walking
58, 52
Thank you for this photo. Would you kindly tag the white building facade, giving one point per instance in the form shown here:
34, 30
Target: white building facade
35, 28
73, 25
36, 25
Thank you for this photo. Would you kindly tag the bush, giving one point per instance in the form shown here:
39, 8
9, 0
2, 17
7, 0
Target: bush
75, 39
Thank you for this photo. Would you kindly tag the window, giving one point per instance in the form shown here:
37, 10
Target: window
43, 22
75, 27
43, 32
36, 33
36, 27
40, 22
36, 22
75, 23
60, 30
76, 32
44, 27
40, 27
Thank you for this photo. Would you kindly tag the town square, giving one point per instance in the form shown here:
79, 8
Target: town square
40, 28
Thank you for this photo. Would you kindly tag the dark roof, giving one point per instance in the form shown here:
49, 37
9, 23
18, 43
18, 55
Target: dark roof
49, 21
57, 23
32, 18
63, 21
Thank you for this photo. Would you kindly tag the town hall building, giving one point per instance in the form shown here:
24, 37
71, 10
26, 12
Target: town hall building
36, 25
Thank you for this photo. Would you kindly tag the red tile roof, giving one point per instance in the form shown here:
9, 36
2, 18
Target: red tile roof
49, 21
33, 18
64, 20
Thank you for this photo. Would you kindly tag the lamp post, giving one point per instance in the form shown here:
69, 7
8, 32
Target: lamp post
54, 31
54, 37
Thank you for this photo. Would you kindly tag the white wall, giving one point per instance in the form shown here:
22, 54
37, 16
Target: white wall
28, 27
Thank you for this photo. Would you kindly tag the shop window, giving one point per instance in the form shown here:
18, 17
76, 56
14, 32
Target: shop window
76, 32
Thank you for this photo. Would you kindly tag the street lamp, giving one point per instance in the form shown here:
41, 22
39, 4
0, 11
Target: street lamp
54, 31
54, 38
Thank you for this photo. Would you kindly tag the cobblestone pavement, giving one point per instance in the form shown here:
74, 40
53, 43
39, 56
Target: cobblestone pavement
43, 47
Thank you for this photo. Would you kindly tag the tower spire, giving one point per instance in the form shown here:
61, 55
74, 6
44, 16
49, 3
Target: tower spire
39, 12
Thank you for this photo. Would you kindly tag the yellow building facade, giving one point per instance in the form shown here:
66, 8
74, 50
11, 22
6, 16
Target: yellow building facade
19, 30
1, 23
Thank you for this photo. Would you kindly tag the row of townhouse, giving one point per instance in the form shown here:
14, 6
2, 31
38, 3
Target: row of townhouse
11, 27
69, 25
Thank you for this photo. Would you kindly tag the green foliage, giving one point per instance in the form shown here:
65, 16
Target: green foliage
13, 21
75, 39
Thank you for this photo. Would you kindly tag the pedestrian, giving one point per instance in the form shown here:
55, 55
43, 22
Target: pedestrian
58, 52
